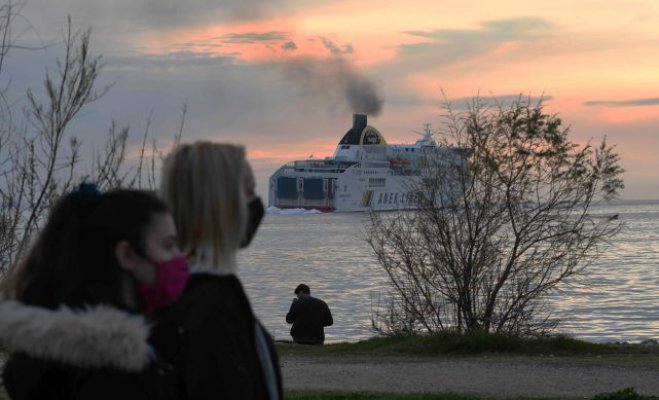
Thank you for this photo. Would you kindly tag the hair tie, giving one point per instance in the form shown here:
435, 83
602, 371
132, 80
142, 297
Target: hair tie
87, 191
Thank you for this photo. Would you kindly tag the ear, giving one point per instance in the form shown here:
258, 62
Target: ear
126, 256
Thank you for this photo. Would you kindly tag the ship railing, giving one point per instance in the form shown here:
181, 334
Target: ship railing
375, 164
321, 165
405, 172
301, 202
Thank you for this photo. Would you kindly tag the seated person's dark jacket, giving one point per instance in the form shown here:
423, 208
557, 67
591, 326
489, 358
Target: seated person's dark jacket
309, 315
216, 352
96, 353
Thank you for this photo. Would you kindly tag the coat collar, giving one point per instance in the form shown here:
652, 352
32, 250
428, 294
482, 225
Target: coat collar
95, 337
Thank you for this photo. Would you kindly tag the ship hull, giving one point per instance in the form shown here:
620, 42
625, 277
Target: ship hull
357, 189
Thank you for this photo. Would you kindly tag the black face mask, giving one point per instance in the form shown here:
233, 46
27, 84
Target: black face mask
254, 217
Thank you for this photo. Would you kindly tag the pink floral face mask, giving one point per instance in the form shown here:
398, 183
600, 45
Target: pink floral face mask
171, 278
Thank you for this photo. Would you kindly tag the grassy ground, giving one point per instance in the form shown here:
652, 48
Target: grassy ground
447, 345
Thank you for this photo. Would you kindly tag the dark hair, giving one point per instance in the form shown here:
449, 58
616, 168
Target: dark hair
302, 288
73, 260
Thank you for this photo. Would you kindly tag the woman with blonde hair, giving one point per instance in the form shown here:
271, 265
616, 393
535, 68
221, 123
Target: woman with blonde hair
224, 351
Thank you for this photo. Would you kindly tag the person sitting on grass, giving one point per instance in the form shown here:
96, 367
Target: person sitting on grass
309, 315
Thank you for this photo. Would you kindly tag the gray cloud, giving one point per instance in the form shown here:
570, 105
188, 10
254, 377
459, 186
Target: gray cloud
334, 49
444, 47
289, 46
492, 32
170, 61
623, 103
265, 38
148, 14
254, 37
117, 22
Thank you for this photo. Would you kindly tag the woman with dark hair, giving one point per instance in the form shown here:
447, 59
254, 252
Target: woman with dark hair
70, 315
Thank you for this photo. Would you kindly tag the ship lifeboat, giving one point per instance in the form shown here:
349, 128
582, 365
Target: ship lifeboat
398, 162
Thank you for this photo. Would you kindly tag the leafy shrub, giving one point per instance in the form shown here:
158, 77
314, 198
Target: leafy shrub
624, 394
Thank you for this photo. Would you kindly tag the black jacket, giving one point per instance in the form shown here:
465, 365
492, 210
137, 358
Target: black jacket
309, 315
223, 352
96, 353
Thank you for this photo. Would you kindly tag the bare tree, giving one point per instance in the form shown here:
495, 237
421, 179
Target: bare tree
500, 224
66, 94
41, 159
8, 11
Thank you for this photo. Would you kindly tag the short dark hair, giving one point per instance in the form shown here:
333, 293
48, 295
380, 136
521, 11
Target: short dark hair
302, 288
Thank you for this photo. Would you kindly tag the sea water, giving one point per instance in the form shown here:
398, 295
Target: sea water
617, 299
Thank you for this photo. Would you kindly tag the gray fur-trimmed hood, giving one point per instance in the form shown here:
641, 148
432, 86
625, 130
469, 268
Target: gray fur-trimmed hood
94, 337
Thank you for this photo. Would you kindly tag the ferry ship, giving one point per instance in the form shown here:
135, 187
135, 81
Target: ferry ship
364, 174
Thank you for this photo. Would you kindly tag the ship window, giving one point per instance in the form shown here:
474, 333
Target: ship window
377, 182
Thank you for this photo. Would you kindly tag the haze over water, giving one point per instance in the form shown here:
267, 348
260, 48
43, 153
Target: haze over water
620, 301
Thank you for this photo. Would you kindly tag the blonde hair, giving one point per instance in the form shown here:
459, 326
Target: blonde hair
202, 183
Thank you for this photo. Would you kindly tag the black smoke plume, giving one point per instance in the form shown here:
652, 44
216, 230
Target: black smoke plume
334, 82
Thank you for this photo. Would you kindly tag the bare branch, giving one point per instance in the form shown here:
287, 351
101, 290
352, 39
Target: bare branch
498, 231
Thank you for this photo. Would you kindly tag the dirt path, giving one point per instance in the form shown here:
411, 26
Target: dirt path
491, 378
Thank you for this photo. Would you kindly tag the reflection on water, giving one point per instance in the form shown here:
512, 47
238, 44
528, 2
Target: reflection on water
619, 299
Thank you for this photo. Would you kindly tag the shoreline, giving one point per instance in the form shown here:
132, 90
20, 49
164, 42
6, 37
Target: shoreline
650, 342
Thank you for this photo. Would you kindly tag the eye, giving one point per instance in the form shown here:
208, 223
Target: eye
169, 244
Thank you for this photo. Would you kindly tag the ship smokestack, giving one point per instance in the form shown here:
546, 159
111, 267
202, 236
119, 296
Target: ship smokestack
359, 122
354, 134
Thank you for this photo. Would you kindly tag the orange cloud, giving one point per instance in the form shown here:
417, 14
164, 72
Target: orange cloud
627, 115
315, 148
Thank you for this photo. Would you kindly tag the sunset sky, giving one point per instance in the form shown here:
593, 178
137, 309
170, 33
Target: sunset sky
273, 74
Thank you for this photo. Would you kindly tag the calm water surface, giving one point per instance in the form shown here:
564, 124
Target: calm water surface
619, 300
